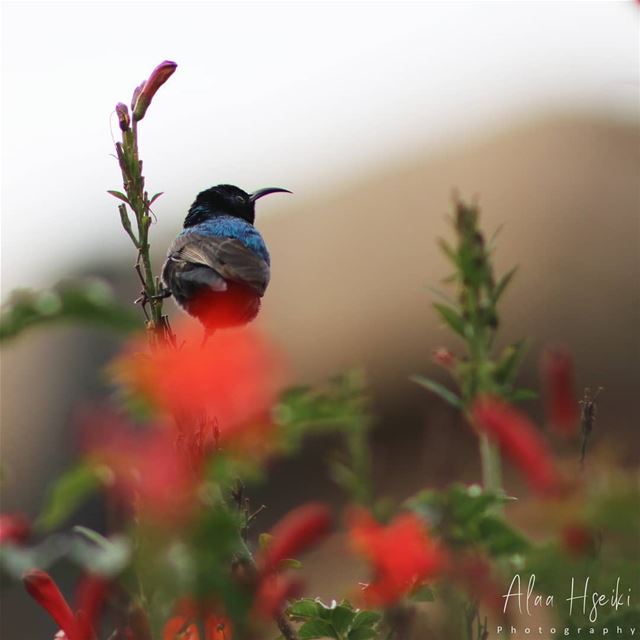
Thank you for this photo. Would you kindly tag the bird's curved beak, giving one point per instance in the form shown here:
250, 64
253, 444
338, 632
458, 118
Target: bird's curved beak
265, 192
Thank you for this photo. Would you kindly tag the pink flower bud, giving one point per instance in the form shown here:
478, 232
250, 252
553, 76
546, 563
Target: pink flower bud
444, 357
123, 116
148, 89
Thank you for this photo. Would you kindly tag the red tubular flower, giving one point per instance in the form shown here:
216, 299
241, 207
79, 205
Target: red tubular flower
14, 528
297, 531
149, 88
41, 587
91, 596
234, 377
519, 439
402, 555
561, 404
90, 599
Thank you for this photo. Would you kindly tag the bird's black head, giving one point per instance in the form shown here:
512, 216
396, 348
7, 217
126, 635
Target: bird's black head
226, 200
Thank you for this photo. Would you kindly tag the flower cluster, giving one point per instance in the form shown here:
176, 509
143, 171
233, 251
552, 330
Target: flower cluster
402, 555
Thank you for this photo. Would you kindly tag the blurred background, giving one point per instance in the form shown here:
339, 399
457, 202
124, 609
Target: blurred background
372, 114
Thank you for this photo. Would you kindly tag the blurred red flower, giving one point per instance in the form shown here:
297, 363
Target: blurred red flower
92, 592
561, 404
402, 555
520, 441
297, 531
273, 590
183, 627
149, 472
233, 378
578, 539
14, 528
218, 628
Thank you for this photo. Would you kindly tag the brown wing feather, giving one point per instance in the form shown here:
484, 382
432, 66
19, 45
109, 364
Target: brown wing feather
226, 256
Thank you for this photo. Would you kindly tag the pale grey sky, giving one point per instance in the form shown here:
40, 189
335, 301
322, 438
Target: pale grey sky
304, 95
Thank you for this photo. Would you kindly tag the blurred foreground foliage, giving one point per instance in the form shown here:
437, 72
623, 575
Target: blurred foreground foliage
88, 302
186, 547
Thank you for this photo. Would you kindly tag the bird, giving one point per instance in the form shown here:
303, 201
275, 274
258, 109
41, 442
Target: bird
218, 267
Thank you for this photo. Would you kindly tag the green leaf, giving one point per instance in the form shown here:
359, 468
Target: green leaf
87, 302
366, 619
304, 609
448, 250
317, 629
467, 503
362, 633
502, 284
339, 406
499, 538
341, 618
119, 195
92, 536
509, 362
290, 563
450, 317
69, 492
440, 390
155, 197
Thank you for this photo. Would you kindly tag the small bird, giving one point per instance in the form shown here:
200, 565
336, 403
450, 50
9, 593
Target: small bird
218, 267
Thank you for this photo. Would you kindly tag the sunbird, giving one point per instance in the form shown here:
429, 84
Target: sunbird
218, 267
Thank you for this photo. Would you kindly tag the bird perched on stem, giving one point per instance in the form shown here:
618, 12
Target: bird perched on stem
217, 269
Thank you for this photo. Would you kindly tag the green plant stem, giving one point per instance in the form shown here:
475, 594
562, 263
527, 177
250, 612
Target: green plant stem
480, 349
138, 201
491, 466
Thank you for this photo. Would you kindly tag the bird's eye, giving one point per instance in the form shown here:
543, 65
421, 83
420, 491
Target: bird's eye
239, 200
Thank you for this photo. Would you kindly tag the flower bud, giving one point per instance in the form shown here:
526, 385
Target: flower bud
297, 531
444, 357
123, 116
144, 94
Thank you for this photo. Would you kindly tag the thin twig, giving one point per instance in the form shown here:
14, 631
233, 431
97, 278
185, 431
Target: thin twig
588, 419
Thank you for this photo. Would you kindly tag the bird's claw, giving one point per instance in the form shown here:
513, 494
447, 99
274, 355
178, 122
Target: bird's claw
145, 298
